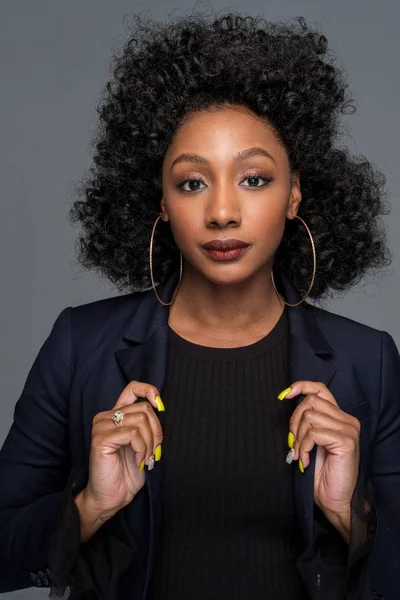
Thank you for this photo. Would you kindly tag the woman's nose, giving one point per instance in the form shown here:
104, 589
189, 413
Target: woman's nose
222, 209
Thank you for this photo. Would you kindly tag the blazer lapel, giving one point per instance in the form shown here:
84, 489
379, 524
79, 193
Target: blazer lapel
145, 359
311, 358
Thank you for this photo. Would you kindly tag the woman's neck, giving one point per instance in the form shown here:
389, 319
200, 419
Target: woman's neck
244, 312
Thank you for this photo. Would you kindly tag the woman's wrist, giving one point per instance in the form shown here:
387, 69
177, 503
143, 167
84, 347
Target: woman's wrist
91, 516
342, 521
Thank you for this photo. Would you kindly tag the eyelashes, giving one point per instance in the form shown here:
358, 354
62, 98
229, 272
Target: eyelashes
252, 176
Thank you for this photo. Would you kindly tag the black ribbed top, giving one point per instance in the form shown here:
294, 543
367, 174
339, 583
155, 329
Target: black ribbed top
228, 529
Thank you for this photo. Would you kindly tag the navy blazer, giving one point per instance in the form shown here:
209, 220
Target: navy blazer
91, 353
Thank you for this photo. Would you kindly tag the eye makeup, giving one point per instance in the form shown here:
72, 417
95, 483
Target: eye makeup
252, 175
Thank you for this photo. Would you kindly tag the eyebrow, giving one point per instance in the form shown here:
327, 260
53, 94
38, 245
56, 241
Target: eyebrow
241, 155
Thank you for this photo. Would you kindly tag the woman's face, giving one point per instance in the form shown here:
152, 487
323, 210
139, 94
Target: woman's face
246, 198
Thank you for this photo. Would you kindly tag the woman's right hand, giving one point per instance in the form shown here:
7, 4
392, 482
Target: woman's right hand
118, 454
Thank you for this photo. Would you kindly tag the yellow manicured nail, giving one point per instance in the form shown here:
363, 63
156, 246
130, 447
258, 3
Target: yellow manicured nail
157, 452
283, 394
290, 439
301, 467
142, 465
160, 404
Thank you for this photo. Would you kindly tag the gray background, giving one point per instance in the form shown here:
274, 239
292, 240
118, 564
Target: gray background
54, 62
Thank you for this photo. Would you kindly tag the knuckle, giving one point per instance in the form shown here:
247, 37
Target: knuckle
132, 385
155, 422
308, 433
297, 444
141, 417
158, 434
135, 433
96, 439
308, 414
312, 402
147, 386
303, 434
138, 440
97, 418
304, 440
352, 443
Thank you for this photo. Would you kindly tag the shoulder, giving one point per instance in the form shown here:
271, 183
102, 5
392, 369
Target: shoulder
113, 307
97, 323
109, 316
337, 326
357, 340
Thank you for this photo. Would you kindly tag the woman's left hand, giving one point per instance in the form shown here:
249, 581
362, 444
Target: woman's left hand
319, 420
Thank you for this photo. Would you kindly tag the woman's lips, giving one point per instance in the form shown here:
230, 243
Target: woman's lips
224, 255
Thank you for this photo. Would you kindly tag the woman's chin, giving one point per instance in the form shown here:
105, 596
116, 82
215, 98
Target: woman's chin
228, 276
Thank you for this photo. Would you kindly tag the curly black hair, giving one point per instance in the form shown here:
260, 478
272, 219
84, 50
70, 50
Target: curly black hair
282, 72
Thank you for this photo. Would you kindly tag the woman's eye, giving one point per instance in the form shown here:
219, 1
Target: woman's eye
257, 178
192, 180
193, 183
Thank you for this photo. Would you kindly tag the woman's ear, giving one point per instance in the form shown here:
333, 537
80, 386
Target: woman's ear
164, 212
295, 195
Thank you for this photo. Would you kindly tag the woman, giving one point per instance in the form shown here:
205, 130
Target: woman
211, 434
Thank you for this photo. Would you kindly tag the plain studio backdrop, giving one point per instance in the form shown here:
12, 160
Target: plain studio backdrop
55, 59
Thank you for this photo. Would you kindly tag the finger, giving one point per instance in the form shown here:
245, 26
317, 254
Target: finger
140, 421
138, 445
135, 415
336, 442
110, 441
153, 421
153, 438
139, 389
308, 387
312, 419
314, 403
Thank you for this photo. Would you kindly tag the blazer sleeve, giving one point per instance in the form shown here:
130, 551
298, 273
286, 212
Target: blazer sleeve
330, 567
385, 476
368, 568
91, 569
38, 483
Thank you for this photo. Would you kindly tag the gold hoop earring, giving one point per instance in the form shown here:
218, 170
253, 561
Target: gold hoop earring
314, 270
151, 269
